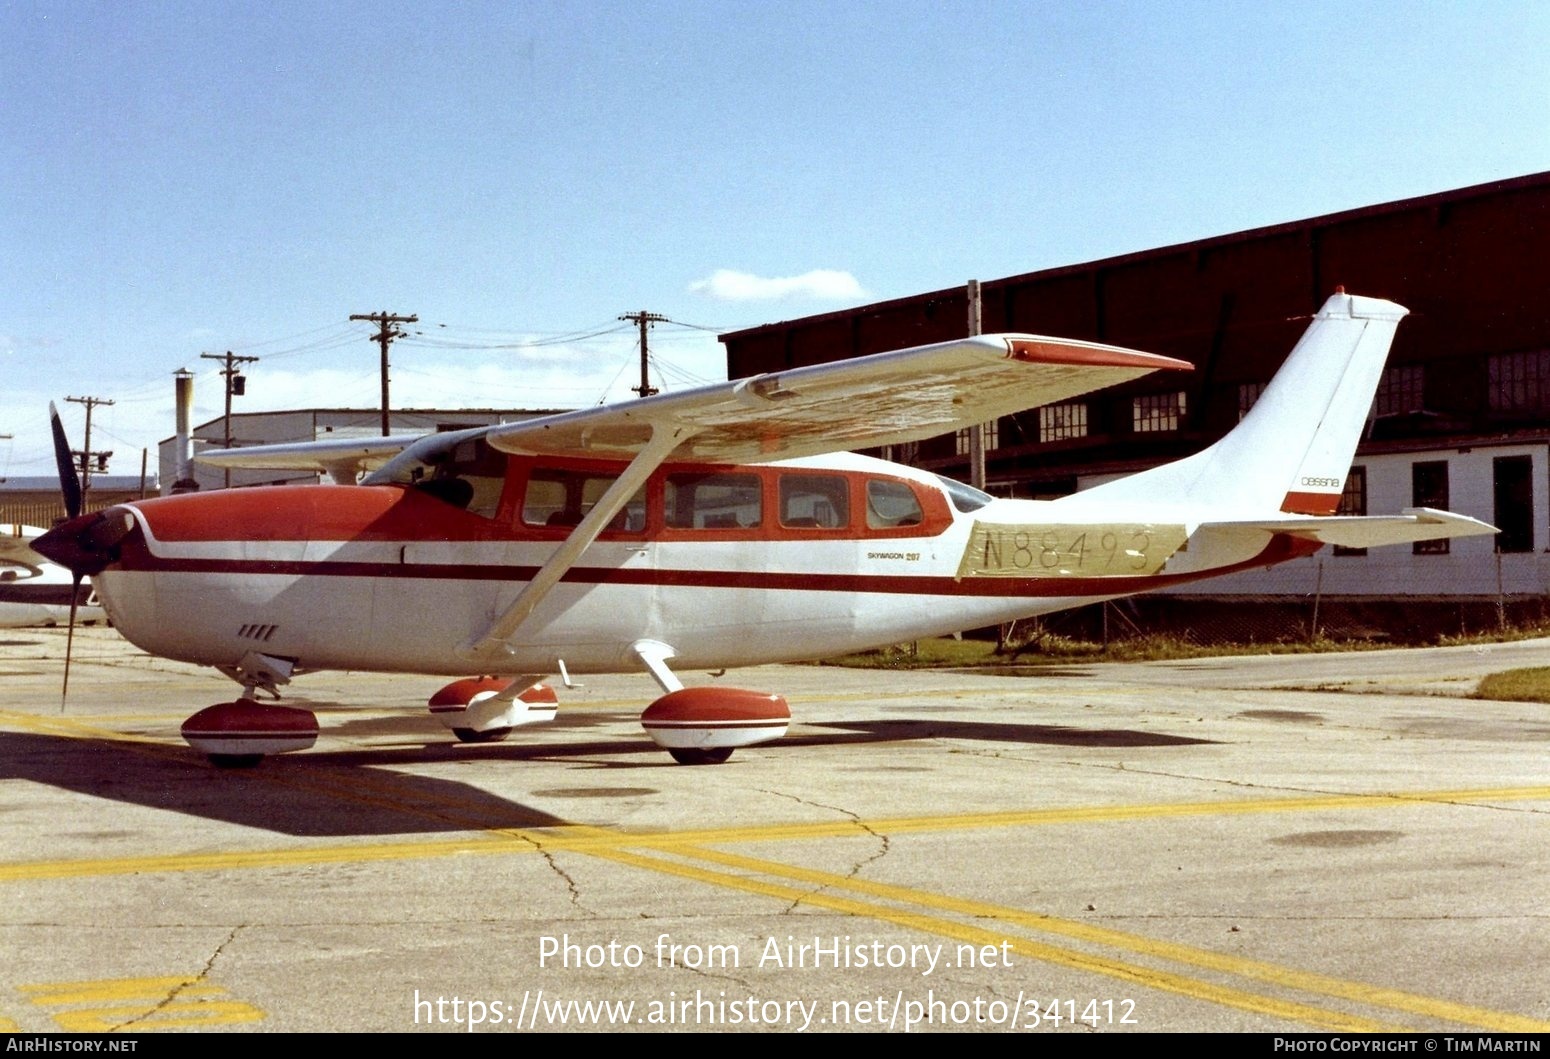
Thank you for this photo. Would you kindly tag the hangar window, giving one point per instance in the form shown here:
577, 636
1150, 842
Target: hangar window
814, 501
713, 501
1429, 488
1155, 412
1353, 501
1519, 382
1401, 390
1057, 422
992, 436
1248, 396
1513, 484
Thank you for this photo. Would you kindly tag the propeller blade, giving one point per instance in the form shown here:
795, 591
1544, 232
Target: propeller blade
75, 596
69, 481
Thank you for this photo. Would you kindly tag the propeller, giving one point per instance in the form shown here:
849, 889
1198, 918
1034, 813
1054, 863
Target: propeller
69, 481
82, 544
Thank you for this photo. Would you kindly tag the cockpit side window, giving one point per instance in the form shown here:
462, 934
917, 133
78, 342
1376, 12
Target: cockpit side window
890, 504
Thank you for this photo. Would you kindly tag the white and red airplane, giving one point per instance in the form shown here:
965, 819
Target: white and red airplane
717, 527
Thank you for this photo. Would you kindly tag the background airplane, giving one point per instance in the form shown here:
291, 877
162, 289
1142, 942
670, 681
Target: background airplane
35, 591
713, 528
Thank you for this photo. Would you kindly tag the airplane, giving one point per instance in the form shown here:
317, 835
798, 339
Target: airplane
716, 527
34, 591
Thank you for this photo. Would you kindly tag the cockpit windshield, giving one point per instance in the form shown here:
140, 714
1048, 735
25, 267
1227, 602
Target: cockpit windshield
458, 468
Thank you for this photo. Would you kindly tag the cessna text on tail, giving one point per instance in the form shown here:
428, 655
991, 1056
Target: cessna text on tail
712, 528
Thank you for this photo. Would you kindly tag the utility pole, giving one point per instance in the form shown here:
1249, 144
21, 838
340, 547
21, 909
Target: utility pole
85, 454
386, 332
235, 384
645, 320
977, 431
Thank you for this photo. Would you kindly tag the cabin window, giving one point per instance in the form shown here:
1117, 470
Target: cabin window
713, 501
890, 504
814, 501
559, 497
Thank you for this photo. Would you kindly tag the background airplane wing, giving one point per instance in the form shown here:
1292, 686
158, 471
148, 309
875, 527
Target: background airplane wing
882, 399
16, 545
341, 458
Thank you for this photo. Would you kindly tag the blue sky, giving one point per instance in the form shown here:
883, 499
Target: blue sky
181, 178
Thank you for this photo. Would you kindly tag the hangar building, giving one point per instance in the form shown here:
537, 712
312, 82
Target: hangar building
1461, 419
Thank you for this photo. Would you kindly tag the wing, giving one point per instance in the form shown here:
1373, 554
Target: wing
341, 458
882, 399
16, 545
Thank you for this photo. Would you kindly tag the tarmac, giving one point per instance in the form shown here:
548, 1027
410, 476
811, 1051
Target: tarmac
1338, 843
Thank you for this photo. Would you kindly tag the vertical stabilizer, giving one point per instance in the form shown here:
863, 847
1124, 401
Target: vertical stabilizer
1294, 448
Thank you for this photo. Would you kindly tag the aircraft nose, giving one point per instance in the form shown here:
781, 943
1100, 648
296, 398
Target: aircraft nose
85, 545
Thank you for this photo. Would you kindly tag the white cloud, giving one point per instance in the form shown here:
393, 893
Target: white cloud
827, 284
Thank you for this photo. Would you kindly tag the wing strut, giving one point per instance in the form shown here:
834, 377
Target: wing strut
664, 439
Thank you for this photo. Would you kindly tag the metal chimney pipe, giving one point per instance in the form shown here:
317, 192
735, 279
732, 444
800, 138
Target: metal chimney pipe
183, 448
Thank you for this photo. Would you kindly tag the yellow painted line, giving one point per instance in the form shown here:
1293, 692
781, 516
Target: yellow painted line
1359, 992
585, 840
1130, 973
168, 1016
116, 989
70, 727
165, 1002
9, 1026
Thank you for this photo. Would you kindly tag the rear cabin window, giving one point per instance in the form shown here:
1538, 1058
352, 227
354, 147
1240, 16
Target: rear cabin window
890, 504
712, 501
814, 501
558, 497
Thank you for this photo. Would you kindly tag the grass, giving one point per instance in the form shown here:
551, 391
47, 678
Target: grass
1049, 650
947, 653
1516, 685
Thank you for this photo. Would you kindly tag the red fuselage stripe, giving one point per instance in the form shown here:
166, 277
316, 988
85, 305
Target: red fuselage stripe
1280, 548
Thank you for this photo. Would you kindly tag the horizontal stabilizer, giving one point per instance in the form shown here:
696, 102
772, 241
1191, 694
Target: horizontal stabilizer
1370, 531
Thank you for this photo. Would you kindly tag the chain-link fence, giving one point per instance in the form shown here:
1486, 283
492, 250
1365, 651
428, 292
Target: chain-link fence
1216, 621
